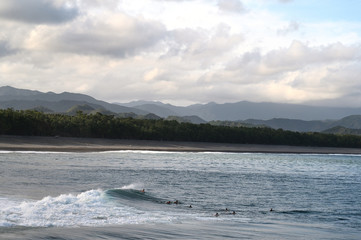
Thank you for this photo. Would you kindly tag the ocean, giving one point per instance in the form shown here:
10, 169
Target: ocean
48, 195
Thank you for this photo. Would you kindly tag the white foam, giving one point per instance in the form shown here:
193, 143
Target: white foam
89, 208
31, 152
133, 186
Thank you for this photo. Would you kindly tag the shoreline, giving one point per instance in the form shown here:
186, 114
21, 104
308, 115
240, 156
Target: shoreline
70, 144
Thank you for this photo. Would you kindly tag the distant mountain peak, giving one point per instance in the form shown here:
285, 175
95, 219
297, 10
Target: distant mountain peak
11, 97
8, 90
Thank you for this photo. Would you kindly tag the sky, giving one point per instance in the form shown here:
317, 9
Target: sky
185, 51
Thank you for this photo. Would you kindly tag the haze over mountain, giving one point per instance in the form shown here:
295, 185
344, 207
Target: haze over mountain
287, 116
248, 110
349, 122
57, 102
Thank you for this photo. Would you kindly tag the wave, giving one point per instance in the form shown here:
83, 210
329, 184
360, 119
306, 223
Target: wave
90, 208
299, 212
132, 195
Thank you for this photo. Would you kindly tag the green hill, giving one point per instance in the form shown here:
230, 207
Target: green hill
343, 131
82, 108
352, 121
186, 119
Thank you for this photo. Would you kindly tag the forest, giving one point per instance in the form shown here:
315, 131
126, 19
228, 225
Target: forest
34, 123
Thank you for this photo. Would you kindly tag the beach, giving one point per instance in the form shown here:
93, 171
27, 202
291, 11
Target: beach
67, 144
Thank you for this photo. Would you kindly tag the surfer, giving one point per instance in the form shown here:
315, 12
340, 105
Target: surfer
216, 215
233, 212
168, 202
227, 210
271, 210
176, 202
190, 206
143, 191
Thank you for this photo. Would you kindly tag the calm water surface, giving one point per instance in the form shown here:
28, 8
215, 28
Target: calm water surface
97, 196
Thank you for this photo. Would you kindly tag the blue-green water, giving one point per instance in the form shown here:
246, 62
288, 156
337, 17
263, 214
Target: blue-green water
97, 196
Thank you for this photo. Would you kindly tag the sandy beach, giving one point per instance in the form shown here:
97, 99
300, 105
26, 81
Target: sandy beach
64, 144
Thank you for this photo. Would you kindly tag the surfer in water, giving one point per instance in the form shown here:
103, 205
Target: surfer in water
142, 191
216, 215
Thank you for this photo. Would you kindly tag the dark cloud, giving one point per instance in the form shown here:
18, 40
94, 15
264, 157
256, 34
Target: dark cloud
292, 27
231, 6
174, 0
5, 49
120, 36
37, 11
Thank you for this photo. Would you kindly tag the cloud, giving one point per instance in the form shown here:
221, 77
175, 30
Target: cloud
292, 27
174, 0
194, 51
204, 47
116, 35
37, 11
98, 4
231, 6
297, 73
297, 56
5, 49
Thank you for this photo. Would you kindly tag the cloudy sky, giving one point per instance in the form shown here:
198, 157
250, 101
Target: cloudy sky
185, 51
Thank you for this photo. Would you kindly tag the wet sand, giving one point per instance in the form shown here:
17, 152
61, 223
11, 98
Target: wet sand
65, 144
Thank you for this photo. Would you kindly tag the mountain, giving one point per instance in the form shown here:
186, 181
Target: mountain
27, 99
149, 116
186, 119
85, 108
294, 117
248, 110
349, 122
291, 124
42, 109
161, 110
8, 91
352, 122
343, 131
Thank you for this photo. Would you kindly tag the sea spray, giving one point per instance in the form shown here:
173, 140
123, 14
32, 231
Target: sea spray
90, 208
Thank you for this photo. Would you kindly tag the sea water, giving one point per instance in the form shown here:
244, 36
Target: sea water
47, 195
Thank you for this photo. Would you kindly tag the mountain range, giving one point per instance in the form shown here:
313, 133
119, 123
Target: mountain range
294, 117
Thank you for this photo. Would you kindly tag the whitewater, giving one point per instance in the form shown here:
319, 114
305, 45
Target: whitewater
48, 195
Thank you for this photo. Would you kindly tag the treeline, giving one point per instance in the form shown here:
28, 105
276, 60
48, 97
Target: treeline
33, 123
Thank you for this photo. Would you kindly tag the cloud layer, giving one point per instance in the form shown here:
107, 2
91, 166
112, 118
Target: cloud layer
181, 52
37, 11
